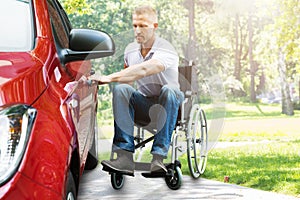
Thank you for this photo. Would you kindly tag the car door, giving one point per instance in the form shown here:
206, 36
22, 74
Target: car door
81, 96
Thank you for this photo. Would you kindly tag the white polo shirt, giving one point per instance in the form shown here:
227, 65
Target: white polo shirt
162, 51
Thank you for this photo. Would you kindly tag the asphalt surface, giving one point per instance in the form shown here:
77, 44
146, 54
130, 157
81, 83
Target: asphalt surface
96, 185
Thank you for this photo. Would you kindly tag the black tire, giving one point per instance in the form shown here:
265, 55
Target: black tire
197, 141
174, 182
117, 180
70, 188
92, 158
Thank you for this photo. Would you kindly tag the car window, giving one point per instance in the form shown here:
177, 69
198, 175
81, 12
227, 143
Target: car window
59, 26
17, 32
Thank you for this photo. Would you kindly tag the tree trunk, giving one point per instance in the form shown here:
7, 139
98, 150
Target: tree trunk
251, 61
253, 65
190, 54
287, 105
299, 88
237, 56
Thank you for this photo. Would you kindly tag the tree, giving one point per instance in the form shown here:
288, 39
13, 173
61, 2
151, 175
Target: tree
235, 22
287, 106
286, 28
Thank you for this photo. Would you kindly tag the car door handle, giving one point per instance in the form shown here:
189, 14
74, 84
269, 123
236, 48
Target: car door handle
90, 82
92, 72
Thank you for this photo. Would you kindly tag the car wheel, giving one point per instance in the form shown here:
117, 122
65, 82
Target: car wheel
92, 158
71, 187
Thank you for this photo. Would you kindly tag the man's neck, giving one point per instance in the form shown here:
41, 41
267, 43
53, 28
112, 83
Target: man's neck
145, 48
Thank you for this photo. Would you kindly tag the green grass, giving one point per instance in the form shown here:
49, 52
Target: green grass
271, 166
239, 110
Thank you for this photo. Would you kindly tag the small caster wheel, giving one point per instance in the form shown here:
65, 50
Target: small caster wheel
117, 180
174, 178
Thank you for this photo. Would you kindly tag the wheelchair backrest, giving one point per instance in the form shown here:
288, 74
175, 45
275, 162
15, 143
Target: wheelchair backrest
188, 79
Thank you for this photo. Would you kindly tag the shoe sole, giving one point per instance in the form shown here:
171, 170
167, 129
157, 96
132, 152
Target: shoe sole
111, 169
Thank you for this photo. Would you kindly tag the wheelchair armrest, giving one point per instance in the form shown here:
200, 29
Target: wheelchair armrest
188, 93
182, 110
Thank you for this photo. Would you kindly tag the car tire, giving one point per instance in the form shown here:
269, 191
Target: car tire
92, 158
71, 187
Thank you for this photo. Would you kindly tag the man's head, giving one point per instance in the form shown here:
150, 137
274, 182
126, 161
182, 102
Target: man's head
144, 19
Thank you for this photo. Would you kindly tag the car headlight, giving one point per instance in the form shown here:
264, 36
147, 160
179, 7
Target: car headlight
15, 127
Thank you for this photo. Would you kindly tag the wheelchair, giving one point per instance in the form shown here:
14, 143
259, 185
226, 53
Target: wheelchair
191, 125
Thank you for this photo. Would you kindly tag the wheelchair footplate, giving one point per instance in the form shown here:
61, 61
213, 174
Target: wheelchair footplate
173, 177
158, 174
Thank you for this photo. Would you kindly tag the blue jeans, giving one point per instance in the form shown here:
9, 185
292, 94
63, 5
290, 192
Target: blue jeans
130, 106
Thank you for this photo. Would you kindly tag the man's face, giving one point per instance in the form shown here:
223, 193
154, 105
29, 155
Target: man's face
144, 28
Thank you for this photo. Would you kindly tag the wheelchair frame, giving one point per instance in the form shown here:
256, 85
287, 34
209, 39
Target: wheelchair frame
192, 121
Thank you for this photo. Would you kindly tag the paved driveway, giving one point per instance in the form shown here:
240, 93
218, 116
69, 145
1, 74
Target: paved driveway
95, 185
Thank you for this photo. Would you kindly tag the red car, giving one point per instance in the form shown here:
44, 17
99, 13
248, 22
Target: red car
47, 108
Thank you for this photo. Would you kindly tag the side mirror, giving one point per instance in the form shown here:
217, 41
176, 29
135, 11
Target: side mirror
86, 44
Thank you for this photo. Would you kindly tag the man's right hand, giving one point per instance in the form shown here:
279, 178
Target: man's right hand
99, 79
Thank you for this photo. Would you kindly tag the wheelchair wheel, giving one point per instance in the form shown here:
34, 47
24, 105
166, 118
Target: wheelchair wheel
197, 140
117, 180
174, 178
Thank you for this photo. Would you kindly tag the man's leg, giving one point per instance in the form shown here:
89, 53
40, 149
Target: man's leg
170, 100
128, 105
125, 101
123, 142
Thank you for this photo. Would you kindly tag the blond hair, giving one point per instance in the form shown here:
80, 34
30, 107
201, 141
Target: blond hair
146, 10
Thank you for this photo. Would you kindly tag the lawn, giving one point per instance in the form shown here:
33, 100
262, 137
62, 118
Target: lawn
270, 166
240, 110
270, 162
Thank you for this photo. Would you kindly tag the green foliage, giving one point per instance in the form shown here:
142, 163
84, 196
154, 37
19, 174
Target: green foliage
288, 27
77, 7
276, 24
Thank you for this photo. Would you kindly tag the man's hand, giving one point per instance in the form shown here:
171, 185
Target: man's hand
99, 79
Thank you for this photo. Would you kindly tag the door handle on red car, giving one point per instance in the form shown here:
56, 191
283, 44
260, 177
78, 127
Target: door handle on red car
90, 82
92, 72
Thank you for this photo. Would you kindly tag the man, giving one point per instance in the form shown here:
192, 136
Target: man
153, 63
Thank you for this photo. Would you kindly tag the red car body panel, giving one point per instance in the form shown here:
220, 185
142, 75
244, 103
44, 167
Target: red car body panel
38, 78
22, 187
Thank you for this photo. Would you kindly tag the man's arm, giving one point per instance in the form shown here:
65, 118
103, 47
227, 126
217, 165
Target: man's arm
132, 73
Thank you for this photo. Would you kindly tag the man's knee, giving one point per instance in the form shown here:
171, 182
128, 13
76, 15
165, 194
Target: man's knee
123, 90
171, 93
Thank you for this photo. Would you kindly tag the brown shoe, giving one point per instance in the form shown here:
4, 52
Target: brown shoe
123, 164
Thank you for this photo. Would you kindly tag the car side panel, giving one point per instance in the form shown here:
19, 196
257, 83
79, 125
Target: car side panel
13, 191
49, 150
